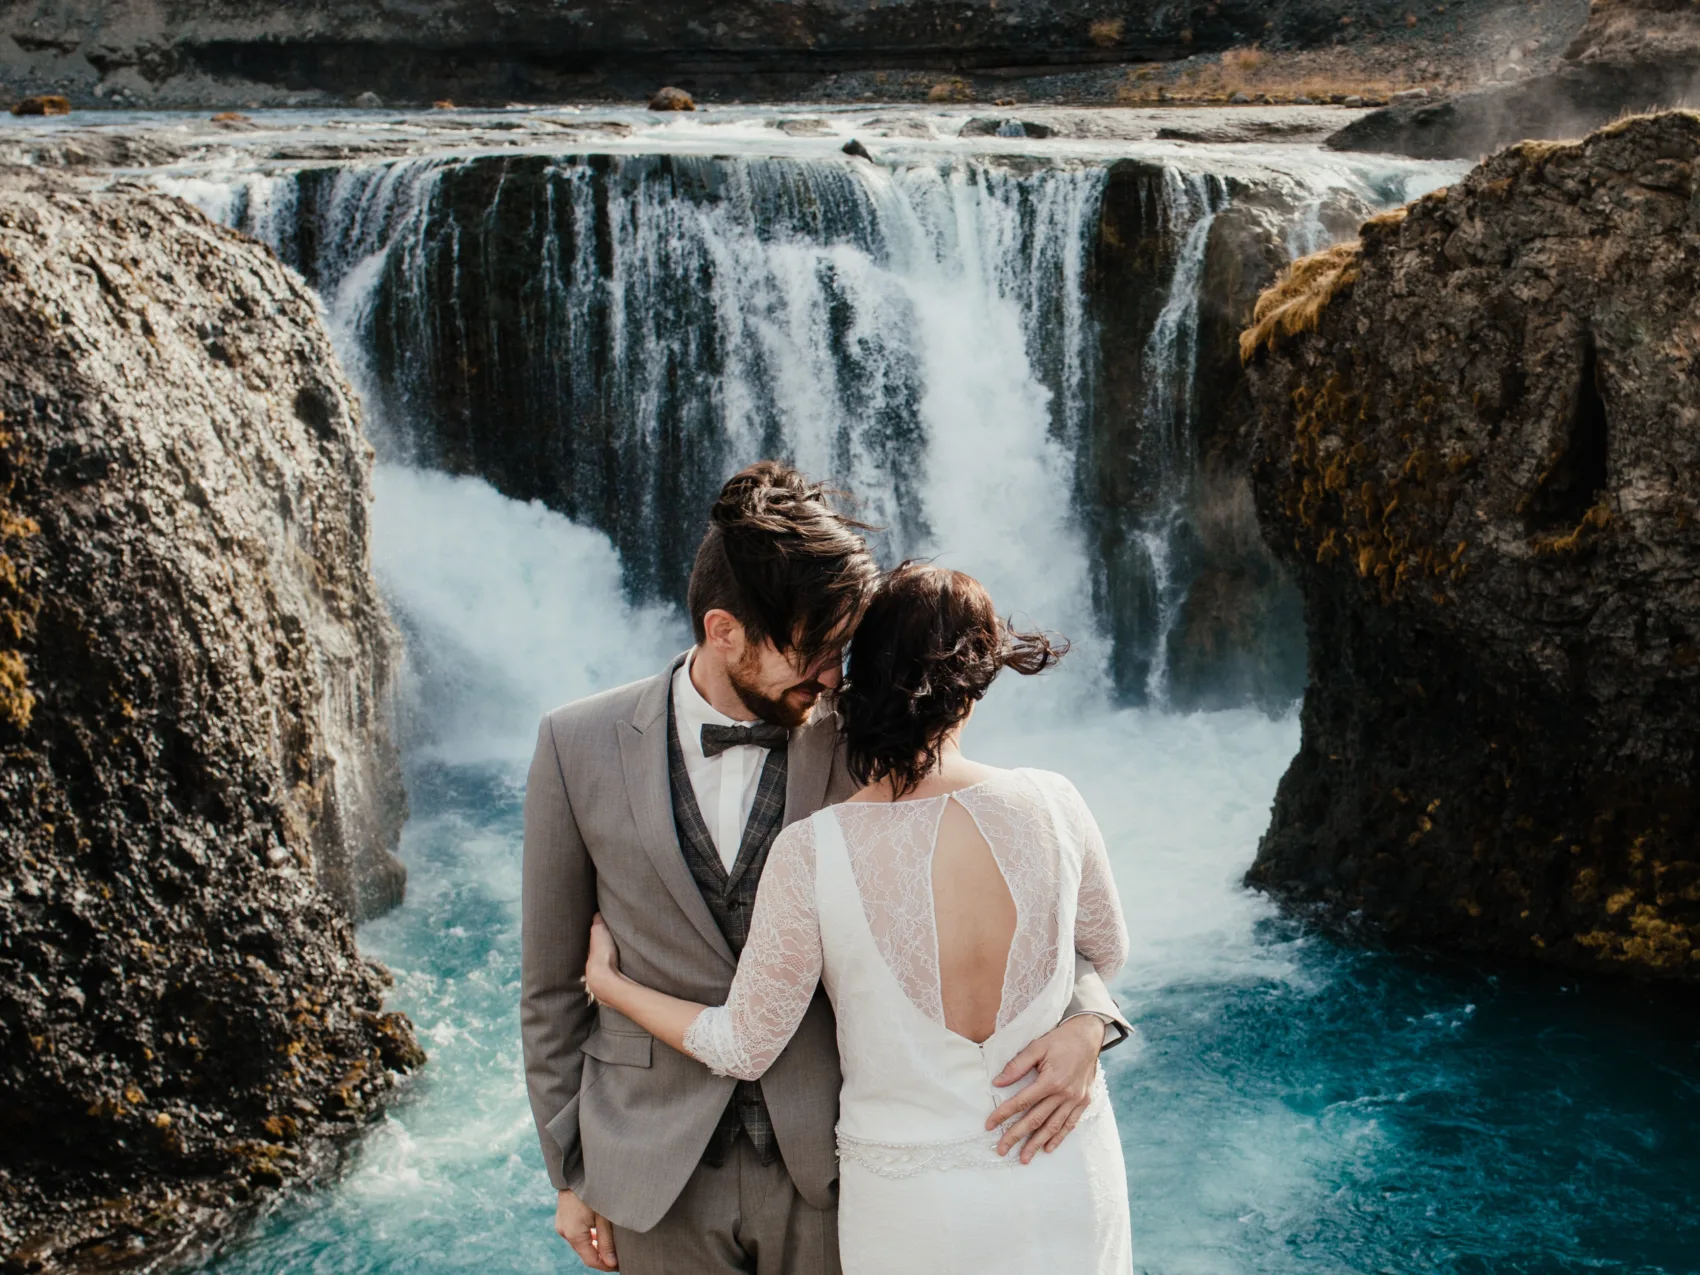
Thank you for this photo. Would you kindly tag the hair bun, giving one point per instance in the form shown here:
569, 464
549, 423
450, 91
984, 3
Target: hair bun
929, 646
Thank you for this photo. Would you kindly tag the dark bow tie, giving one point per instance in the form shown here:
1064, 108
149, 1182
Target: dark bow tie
717, 739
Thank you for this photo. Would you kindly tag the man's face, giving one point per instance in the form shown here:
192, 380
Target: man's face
781, 688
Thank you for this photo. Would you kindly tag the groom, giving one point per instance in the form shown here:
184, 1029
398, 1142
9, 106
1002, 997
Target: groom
655, 804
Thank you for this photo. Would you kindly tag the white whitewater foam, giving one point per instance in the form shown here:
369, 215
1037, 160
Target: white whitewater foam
509, 608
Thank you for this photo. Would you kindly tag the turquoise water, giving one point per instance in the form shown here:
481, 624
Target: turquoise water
1358, 1114
1290, 1106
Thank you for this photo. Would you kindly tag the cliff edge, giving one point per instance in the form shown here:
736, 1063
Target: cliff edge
1477, 451
199, 788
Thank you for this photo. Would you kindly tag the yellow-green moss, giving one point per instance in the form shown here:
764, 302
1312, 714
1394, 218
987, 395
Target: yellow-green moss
17, 609
1295, 302
1596, 519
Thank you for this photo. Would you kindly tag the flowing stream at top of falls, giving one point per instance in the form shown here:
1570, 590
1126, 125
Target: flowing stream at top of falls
1011, 351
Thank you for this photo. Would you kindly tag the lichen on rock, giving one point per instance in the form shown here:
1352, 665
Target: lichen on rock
1479, 456
199, 787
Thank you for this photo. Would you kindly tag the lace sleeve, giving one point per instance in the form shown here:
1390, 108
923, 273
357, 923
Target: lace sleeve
778, 970
1100, 931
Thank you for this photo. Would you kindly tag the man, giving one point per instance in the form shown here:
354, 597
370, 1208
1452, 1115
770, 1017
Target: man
656, 804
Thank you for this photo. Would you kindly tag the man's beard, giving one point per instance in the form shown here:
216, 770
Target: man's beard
782, 711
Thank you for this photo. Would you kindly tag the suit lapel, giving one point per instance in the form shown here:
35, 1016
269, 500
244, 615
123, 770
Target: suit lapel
809, 766
643, 754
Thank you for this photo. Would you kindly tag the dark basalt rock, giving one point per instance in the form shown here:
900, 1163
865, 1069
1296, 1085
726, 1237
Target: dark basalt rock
1478, 449
49, 104
994, 127
1633, 55
199, 787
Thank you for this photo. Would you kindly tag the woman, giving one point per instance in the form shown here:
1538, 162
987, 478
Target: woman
942, 906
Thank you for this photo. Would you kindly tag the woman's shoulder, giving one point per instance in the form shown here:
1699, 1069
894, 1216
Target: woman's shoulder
799, 836
1053, 780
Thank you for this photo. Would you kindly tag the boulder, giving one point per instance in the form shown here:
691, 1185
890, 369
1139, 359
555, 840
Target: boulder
200, 792
49, 104
1633, 55
1478, 450
672, 99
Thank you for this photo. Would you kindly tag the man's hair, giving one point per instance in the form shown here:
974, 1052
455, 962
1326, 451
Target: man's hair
781, 560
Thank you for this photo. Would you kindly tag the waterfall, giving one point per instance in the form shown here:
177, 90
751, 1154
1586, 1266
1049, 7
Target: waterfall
612, 335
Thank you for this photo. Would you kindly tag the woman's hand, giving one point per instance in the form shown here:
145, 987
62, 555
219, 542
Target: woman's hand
602, 967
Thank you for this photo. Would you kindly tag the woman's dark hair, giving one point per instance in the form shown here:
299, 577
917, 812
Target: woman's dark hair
781, 560
928, 646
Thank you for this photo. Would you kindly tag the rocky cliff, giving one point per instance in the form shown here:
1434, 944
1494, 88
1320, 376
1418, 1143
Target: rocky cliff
1633, 55
199, 786
226, 52
1478, 450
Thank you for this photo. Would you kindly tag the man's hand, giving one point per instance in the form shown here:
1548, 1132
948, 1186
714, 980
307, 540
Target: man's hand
1066, 1059
587, 1231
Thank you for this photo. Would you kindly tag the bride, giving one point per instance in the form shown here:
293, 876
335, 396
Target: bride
942, 907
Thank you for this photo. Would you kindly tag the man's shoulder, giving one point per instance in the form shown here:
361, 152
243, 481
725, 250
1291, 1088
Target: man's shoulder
605, 708
825, 726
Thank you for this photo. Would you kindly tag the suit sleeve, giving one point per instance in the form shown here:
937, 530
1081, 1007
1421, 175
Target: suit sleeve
1092, 997
557, 902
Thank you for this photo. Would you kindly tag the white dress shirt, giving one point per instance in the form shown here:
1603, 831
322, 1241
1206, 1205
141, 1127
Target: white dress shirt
725, 785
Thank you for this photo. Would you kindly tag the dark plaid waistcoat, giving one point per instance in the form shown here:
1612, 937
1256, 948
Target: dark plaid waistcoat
730, 897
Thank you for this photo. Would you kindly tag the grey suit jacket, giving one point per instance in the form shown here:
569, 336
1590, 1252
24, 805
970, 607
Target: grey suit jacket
623, 1119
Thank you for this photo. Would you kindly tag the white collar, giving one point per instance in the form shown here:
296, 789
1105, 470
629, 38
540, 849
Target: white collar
693, 710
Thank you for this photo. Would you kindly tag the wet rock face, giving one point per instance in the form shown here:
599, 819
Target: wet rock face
1170, 428
1478, 451
1633, 55
199, 785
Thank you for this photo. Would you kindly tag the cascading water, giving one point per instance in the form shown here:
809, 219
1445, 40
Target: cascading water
1189, 206
613, 337
922, 331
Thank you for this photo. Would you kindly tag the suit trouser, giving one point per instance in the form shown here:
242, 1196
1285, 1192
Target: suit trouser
744, 1216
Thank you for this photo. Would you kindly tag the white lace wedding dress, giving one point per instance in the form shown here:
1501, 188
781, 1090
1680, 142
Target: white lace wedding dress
846, 897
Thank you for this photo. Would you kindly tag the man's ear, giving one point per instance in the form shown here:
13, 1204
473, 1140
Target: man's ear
723, 632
